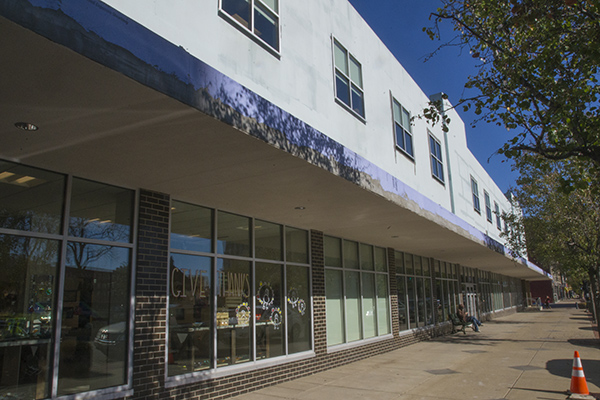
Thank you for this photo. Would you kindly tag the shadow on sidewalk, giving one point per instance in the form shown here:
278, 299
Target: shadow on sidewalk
564, 368
593, 343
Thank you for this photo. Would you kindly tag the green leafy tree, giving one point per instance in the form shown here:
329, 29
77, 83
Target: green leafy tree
537, 72
562, 226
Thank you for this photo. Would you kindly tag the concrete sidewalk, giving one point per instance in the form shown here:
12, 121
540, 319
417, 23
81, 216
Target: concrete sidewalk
524, 356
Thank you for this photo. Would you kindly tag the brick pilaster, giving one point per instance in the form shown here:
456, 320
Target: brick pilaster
318, 287
151, 296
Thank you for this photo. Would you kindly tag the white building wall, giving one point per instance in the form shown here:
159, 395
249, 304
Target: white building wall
301, 82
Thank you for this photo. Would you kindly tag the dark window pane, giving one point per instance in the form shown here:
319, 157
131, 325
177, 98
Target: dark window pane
94, 341
298, 309
366, 257
190, 315
357, 102
296, 245
266, 26
233, 235
234, 313
239, 10
30, 199
350, 254
402, 314
409, 144
342, 89
100, 211
191, 227
270, 327
268, 240
29, 271
400, 137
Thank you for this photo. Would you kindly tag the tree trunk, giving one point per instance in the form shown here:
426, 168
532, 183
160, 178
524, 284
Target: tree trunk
595, 293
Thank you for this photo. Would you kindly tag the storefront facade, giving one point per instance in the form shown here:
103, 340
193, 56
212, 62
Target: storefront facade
182, 226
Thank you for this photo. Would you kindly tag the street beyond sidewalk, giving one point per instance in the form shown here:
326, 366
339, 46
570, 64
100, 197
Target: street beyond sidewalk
523, 356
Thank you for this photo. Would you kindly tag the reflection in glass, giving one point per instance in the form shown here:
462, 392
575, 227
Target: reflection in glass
383, 305
402, 314
412, 310
296, 245
353, 309
266, 26
334, 307
234, 313
190, 314
191, 227
428, 301
269, 314
93, 348
30, 199
238, 9
420, 301
100, 211
332, 247
29, 269
268, 240
233, 235
408, 264
399, 262
439, 302
298, 309
368, 305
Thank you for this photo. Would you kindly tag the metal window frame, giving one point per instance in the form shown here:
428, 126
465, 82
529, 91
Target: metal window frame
351, 84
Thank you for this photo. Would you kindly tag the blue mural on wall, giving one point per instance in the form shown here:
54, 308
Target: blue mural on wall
99, 32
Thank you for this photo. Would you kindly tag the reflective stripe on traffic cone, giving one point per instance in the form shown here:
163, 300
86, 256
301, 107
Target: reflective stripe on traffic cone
578, 383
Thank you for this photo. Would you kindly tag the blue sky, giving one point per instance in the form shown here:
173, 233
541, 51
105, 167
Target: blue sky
399, 24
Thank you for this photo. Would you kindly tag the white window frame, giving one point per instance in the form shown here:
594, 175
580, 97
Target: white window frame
488, 206
352, 84
435, 159
475, 193
249, 30
406, 130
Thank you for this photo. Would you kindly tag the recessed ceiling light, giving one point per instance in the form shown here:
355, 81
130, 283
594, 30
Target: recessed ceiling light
300, 208
26, 126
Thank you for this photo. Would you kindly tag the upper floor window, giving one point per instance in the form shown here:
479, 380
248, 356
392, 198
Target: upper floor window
475, 191
403, 130
498, 216
348, 80
488, 206
437, 166
259, 18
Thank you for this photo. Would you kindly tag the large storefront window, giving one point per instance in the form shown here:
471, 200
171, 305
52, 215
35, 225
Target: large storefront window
356, 290
85, 267
239, 290
415, 301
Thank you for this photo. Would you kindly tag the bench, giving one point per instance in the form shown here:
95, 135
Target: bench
457, 322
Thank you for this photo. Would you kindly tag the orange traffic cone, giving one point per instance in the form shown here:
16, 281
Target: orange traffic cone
578, 383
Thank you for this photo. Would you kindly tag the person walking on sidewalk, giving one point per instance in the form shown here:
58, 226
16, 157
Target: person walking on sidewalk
465, 317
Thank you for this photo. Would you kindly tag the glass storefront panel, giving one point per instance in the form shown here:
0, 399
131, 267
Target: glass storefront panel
411, 293
298, 309
380, 260
439, 301
191, 227
234, 312
93, 348
268, 240
100, 211
296, 245
368, 305
366, 257
334, 306
402, 314
270, 327
353, 309
332, 247
383, 305
408, 264
30, 199
428, 302
420, 301
190, 314
233, 235
350, 254
399, 262
29, 273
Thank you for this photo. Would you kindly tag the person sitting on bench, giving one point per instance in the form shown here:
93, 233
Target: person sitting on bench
465, 317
